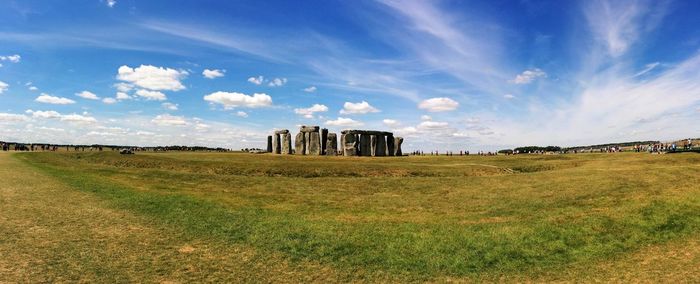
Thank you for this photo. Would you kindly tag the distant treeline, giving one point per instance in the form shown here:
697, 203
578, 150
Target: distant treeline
73, 147
623, 144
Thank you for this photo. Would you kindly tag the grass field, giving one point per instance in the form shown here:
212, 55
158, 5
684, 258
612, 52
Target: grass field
180, 217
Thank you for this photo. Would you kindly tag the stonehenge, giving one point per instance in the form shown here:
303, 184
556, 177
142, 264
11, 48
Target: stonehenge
317, 141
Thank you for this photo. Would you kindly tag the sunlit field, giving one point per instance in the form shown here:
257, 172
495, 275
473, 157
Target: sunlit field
242, 217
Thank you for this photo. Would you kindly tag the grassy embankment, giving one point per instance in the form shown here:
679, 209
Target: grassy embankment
417, 218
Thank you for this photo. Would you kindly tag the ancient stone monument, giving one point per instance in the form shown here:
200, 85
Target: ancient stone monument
313, 140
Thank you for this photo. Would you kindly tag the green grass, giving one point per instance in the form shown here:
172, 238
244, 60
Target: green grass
415, 218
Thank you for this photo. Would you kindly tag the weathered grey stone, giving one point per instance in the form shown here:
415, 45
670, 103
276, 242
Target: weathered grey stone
397, 146
305, 128
307, 140
276, 146
373, 145
282, 131
269, 143
323, 133
349, 144
286, 143
380, 146
300, 144
331, 144
365, 145
314, 144
390, 145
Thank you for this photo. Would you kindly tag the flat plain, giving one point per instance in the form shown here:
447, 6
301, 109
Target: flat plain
182, 217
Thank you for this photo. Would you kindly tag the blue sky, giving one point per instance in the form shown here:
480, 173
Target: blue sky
446, 75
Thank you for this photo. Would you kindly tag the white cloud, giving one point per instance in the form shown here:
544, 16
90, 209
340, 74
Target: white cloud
49, 114
344, 122
508, 96
309, 112
123, 96
77, 118
152, 77
151, 95
357, 108
310, 89
48, 99
429, 125
425, 117
391, 122
169, 106
256, 80
213, 73
646, 69
242, 114
33, 88
109, 101
277, 82
12, 58
528, 76
169, 120
111, 3
124, 87
438, 104
11, 117
87, 95
233, 100
3, 87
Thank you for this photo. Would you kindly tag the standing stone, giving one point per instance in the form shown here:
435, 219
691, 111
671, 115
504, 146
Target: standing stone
286, 143
390, 145
300, 144
348, 144
365, 145
380, 146
307, 142
397, 144
331, 144
324, 136
276, 147
314, 144
269, 143
373, 145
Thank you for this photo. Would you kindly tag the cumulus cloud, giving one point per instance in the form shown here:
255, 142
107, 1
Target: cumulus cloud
256, 80
3, 87
49, 114
310, 89
152, 77
169, 120
169, 106
11, 117
77, 118
12, 58
425, 117
151, 95
48, 99
344, 122
233, 100
109, 101
242, 114
528, 76
277, 82
111, 3
390, 122
428, 125
123, 96
124, 87
508, 96
87, 95
438, 104
213, 73
33, 88
309, 112
357, 108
